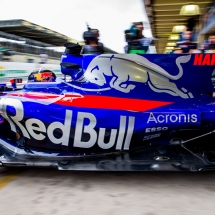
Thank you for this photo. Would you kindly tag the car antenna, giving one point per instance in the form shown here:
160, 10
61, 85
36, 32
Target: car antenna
88, 27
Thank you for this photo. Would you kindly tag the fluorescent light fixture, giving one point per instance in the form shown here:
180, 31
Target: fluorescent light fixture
169, 48
178, 28
171, 44
173, 37
190, 10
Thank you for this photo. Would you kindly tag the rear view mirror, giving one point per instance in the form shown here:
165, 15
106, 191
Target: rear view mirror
72, 48
70, 69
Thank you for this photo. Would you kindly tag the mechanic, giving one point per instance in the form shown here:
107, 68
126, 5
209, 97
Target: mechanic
210, 48
137, 42
96, 32
186, 45
92, 46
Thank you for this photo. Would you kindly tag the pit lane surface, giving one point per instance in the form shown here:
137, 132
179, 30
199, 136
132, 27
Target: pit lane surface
49, 191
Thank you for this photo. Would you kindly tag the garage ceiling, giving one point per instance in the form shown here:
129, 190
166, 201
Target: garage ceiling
163, 15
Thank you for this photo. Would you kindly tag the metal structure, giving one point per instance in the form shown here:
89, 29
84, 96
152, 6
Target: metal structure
30, 49
32, 31
36, 38
163, 15
26, 40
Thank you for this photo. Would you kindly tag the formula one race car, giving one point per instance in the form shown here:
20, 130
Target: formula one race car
122, 112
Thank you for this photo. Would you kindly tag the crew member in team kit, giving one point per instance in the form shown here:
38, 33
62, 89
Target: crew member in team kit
187, 45
92, 44
211, 45
137, 42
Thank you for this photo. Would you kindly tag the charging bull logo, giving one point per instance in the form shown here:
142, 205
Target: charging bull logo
125, 70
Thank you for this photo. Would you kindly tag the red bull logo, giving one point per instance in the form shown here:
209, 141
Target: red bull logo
36, 129
125, 71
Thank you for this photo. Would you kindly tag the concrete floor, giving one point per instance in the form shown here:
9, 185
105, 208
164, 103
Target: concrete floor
48, 191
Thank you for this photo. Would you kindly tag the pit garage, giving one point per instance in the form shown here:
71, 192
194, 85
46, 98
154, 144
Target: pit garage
167, 19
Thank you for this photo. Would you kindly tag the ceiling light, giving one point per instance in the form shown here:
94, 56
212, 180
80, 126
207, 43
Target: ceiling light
171, 44
169, 48
189, 10
174, 37
178, 28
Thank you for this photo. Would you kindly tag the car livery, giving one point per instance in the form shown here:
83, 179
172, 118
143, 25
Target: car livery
123, 103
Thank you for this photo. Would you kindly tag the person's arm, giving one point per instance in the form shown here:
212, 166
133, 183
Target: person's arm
82, 50
178, 52
126, 49
195, 51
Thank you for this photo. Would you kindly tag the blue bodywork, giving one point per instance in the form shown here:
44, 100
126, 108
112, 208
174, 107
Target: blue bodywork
114, 103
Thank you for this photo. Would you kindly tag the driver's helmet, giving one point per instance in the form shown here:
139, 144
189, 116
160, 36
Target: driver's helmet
42, 75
